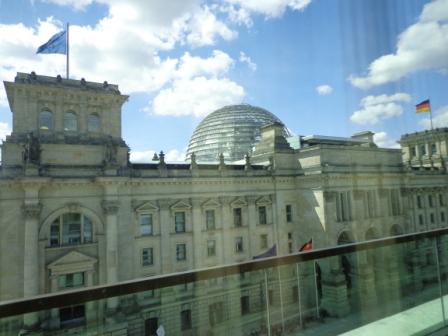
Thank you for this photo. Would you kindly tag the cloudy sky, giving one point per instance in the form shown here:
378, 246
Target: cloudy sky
323, 67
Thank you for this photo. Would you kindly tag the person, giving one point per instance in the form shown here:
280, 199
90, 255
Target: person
160, 331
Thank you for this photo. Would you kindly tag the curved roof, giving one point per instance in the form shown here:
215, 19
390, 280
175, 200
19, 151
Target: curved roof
232, 130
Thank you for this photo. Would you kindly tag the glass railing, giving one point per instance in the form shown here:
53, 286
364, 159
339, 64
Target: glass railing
391, 286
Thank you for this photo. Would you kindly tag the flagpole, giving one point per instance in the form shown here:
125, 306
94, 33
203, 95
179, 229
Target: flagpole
299, 296
67, 50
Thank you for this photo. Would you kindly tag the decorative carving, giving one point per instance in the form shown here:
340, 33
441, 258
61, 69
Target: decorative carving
32, 210
110, 207
222, 164
31, 149
193, 164
73, 207
110, 152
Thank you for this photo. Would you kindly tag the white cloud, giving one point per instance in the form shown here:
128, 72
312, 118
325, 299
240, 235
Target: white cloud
205, 28
123, 47
216, 65
422, 46
270, 8
383, 140
240, 16
324, 89
246, 59
376, 108
440, 119
76, 4
173, 155
198, 96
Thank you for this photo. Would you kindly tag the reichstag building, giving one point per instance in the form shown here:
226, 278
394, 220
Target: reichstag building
75, 212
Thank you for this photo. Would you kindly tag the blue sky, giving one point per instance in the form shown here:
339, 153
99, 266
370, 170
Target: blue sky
330, 67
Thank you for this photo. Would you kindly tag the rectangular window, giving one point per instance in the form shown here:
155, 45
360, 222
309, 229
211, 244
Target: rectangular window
290, 249
54, 233
422, 150
239, 248
395, 202
237, 217
421, 220
263, 241
71, 280
441, 200
147, 256
288, 213
433, 149
370, 204
430, 201
181, 252
179, 221
211, 248
185, 319
245, 305
146, 225
343, 206
216, 313
414, 151
442, 216
262, 215
72, 316
419, 202
432, 218
210, 219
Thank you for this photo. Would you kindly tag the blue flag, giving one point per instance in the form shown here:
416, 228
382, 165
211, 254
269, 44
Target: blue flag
56, 45
272, 252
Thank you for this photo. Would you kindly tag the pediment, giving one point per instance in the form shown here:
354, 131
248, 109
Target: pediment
264, 200
211, 203
238, 203
147, 206
73, 261
181, 205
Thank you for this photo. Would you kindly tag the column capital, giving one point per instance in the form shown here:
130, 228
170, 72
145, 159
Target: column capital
32, 210
110, 207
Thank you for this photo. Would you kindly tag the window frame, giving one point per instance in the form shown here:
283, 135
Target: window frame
180, 226
239, 244
70, 117
210, 219
150, 225
181, 252
262, 215
97, 119
211, 250
56, 237
51, 120
148, 260
237, 217
288, 210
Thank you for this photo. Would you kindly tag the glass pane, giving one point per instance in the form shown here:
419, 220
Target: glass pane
46, 120
93, 124
88, 230
70, 122
71, 228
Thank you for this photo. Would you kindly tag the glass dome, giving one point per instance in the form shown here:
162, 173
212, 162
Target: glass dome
232, 130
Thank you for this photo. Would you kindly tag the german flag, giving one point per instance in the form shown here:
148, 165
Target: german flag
424, 106
308, 246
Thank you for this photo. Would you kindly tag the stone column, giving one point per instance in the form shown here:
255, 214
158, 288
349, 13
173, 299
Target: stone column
165, 229
54, 318
110, 208
31, 256
227, 224
196, 222
91, 305
253, 221
334, 288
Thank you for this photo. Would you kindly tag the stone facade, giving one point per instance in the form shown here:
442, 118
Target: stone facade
75, 212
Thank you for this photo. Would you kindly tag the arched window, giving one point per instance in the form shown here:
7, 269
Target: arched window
93, 123
70, 122
71, 228
46, 120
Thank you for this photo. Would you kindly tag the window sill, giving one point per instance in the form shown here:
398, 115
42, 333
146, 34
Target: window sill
70, 246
